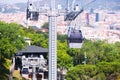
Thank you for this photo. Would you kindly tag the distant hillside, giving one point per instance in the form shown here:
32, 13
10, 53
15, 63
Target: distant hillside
101, 4
17, 7
13, 8
8, 8
22, 6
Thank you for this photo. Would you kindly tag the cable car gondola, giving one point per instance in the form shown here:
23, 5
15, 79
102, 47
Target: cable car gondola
73, 14
75, 38
73, 11
32, 13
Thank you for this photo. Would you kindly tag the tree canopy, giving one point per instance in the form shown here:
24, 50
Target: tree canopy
11, 40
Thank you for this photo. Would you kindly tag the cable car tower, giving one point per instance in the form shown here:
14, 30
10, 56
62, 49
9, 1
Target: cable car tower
32, 14
74, 35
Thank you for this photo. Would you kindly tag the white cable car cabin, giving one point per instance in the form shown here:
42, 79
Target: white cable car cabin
75, 38
32, 13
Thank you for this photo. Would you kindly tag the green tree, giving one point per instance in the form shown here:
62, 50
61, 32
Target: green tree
77, 55
62, 38
110, 69
82, 72
11, 40
45, 25
103, 57
64, 60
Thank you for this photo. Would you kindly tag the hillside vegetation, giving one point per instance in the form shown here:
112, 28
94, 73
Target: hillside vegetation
102, 62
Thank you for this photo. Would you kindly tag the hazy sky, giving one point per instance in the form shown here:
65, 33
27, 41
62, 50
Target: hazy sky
14, 1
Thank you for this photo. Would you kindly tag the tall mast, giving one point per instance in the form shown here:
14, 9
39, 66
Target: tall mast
52, 42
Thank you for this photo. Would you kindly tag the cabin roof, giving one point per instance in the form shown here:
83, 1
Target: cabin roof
32, 49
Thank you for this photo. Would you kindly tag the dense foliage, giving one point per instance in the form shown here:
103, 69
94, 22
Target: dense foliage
11, 40
102, 61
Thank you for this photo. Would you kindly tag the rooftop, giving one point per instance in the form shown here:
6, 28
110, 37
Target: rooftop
32, 49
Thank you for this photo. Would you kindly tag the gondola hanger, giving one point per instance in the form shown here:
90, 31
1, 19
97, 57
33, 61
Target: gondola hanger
31, 13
